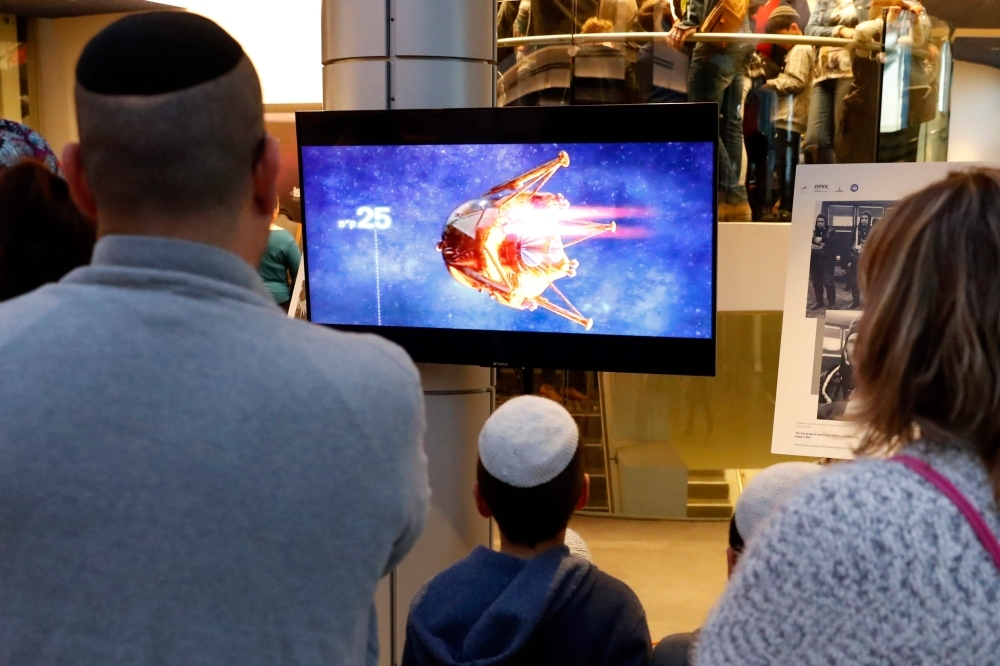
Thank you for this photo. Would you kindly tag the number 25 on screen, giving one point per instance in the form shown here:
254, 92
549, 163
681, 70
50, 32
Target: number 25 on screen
376, 218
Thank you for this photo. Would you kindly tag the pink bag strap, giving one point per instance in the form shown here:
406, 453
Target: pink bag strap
948, 489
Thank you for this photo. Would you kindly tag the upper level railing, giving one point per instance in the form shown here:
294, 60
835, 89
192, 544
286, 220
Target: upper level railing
699, 37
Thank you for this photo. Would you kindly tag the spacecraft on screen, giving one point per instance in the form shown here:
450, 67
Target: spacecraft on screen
509, 244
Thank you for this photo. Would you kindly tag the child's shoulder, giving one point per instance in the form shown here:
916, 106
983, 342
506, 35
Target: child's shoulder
610, 591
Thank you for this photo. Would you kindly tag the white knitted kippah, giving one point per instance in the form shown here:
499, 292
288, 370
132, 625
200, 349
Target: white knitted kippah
528, 441
766, 492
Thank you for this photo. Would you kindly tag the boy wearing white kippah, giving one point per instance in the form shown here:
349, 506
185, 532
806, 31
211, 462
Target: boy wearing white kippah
532, 602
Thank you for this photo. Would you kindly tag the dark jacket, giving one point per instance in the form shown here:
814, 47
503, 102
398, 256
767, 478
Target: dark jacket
548, 17
698, 11
837, 384
493, 609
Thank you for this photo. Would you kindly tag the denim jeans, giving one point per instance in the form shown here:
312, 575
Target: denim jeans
717, 74
826, 120
787, 145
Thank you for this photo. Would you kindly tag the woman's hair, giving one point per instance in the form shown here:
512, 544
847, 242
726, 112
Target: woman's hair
43, 235
597, 25
928, 350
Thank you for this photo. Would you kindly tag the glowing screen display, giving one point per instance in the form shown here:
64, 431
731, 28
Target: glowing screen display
584, 238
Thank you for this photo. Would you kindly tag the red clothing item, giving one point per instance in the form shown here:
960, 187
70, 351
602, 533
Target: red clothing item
760, 26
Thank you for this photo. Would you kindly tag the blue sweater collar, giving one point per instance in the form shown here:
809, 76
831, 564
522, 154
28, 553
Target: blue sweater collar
168, 254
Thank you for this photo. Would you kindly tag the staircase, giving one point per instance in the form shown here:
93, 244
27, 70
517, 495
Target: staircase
708, 494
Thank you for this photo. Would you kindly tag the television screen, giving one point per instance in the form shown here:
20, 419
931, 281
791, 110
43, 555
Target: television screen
573, 237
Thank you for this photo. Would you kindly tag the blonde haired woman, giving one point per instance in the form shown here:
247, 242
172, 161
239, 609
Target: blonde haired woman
894, 559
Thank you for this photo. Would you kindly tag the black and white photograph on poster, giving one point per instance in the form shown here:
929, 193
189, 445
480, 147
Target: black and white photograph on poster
839, 234
838, 208
836, 379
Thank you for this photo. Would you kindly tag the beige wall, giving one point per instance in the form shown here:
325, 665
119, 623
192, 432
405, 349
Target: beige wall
975, 129
57, 45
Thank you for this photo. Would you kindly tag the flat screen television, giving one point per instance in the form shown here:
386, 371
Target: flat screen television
554, 237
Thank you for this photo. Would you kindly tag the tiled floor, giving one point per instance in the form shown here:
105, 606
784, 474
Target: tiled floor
677, 568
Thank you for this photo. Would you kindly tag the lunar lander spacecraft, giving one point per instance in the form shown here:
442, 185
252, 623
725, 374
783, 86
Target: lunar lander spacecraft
509, 243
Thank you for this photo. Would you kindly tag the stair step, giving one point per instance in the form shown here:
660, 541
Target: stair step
709, 510
706, 474
708, 490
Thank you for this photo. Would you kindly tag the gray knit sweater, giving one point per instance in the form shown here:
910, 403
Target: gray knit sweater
866, 564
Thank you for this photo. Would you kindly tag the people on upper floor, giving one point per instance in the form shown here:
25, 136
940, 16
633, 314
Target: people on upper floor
547, 17
717, 74
660, 69
793, 87
43, 235
822, 266
894, 558
186, 474
763, 494
837, 385
532, 602
832, 79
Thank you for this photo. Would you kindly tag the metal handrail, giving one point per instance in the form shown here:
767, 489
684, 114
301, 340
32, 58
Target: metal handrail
707, 37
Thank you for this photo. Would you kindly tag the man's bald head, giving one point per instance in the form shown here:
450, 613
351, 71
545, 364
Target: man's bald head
171, 118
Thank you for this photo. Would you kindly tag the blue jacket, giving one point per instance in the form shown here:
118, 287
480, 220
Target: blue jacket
493, 609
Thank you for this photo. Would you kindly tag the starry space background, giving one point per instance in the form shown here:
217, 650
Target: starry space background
653, 278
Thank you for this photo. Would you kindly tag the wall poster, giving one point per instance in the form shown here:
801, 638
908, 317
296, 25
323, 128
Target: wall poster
836, 207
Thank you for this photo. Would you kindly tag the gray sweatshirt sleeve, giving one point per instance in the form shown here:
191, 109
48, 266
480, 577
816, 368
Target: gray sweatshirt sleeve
407, 412
394, 416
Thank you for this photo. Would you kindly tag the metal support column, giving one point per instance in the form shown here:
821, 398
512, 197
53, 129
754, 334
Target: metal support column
416, 54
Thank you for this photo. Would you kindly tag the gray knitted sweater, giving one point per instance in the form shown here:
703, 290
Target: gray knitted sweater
866, 564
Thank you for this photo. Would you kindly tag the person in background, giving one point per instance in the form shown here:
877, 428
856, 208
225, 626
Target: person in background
822, 266
832, 80
860, 236
837, 385
546, 17
280, 265
660, 69
717, 74
894, 559
763, 494
763, 15
601, 71
532, 602
186, 475
791, 113
18, 143
43, 235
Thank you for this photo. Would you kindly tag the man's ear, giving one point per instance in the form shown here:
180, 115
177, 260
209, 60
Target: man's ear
481, 505
265, 177
584, 493
79, 188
